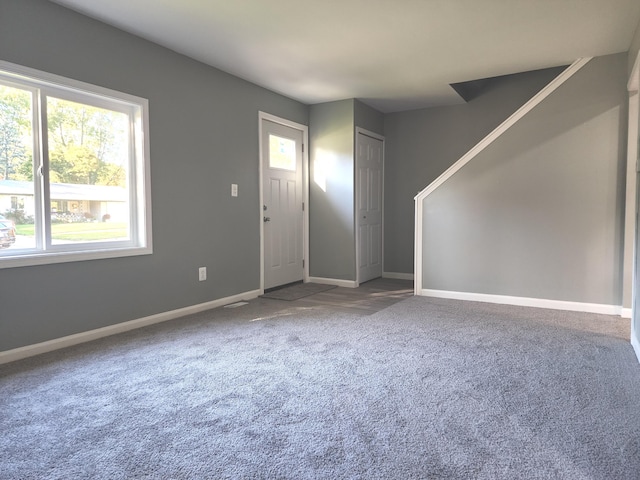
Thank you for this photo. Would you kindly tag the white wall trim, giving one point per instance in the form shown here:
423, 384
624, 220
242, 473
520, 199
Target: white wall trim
417, 247
628, 264
526, 302
305, 189
625, 312
630, 198
484, 143
398, 275
334, 281
635, 343
83, 337
630, 269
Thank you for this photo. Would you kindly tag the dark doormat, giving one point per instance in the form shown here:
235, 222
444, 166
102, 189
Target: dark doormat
299, 290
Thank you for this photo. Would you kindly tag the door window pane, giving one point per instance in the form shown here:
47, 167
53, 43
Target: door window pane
282, 153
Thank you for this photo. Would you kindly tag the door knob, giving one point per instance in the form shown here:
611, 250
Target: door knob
266, 219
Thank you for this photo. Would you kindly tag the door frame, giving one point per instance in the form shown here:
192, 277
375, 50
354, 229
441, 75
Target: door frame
632, 206
368, 133
305, 190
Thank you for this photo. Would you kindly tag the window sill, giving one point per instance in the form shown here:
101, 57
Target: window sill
45, 258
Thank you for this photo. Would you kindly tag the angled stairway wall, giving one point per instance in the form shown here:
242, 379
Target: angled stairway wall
421, 144
536, 217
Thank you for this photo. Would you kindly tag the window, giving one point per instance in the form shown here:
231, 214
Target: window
17, 203
282, 153
74, 169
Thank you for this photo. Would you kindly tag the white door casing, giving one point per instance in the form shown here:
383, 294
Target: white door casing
632, 227
283, 197
369, 202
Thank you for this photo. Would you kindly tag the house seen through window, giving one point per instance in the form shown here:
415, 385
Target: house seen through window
72, 170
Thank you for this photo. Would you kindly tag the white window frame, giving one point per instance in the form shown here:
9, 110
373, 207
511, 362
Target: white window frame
139, 186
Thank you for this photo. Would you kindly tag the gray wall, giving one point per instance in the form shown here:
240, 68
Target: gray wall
204, 136
421, 144
368, 118
331, 191
332, 185
539, 213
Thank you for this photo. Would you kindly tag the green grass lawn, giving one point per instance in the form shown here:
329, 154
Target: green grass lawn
80, 232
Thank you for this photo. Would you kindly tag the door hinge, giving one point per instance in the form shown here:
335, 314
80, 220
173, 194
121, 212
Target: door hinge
303, 148
303, 206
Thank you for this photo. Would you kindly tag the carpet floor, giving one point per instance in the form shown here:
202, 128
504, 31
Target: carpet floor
426, 388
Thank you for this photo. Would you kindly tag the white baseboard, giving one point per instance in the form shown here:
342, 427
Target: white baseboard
526, 302
63, 342
625, 312
635, 343
398, 275
334, 281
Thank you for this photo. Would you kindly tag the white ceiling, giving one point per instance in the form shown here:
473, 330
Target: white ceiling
394, 55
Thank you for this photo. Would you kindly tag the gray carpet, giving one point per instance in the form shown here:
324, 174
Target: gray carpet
297, 291
423, 389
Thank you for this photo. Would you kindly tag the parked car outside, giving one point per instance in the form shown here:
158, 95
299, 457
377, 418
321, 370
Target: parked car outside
6, 220
7, 234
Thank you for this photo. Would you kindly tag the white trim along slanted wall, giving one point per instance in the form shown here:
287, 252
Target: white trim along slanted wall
470, 155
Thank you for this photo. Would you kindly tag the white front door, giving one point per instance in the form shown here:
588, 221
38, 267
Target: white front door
282, 193
369, 168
